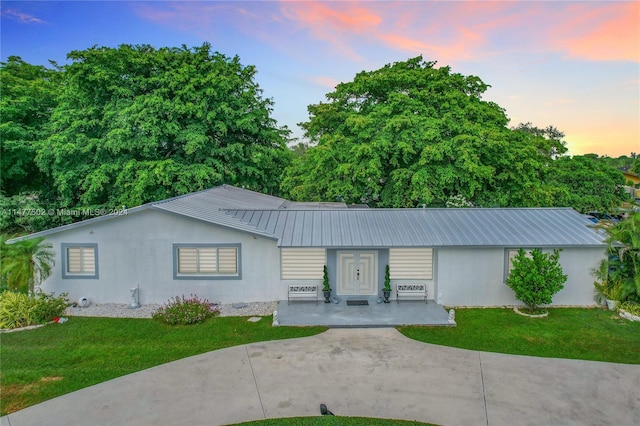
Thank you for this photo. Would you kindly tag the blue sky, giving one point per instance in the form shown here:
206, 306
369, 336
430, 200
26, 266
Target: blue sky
573, 65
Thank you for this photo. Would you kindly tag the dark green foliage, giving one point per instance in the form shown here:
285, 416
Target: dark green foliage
325, 279
410, 134
387, 279
536, 277
586, 183
138, 124
399, 136
636, 166
28, 98
185, 311
28, 213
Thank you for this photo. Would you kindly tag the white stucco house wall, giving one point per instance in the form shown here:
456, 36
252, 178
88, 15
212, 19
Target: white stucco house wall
229, 245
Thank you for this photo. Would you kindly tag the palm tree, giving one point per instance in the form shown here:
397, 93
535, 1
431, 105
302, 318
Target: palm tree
25, 264
623, 263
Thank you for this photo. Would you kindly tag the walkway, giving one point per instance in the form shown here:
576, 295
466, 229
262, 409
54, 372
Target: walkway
373, 372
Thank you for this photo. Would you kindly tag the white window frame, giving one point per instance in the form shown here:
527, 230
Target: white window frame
84, 251
206, 275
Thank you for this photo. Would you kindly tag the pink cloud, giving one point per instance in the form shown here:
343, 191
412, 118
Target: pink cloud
326, 82
604, 32
21, 17
333, 23
443, 31
450, 31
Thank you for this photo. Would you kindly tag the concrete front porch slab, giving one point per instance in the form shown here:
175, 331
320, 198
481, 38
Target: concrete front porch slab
373, 315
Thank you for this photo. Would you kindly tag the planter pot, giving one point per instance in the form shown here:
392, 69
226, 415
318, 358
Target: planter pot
611, 304
327, 296
386, 294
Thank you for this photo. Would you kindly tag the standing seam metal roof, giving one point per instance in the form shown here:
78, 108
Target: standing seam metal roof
537, 227
334, 227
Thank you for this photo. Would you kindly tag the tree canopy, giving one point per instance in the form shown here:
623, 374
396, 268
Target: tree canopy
587, 184
136, 124
28, 97
411, 134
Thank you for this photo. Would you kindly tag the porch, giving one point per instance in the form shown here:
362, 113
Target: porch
302, 313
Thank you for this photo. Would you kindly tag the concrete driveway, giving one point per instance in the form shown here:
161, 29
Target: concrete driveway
375, 372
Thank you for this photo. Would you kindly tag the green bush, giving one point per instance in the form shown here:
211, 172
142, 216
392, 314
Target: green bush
183, 311
20, 310
536, 277
48, 306
631, 307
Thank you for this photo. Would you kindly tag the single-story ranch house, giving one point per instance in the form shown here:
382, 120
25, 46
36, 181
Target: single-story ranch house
230, 245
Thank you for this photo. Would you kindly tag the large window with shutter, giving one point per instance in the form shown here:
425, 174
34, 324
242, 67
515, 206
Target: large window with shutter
411, 263
79, 260
206, 261
302, 263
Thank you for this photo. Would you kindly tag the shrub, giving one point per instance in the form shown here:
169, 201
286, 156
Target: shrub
20, 310
631, 307
536, 277
49, 306
183, 311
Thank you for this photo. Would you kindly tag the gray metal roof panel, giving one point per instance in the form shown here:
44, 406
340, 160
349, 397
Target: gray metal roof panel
264, 215
426, 227
224, 197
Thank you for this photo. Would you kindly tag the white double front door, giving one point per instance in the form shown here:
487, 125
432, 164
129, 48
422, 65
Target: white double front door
357, 273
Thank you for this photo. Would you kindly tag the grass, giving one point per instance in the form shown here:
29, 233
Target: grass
50, 361
330, 421
588, 334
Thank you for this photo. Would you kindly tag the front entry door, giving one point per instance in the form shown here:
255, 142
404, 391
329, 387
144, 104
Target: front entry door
357, 273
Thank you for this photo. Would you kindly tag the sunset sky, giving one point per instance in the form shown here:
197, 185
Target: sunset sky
573, 65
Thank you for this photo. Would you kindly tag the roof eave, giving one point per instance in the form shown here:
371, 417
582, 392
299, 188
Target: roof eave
80, 224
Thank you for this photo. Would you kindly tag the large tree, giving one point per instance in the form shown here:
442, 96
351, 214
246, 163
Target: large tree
586, 184
136, 124
28, 98
411, 134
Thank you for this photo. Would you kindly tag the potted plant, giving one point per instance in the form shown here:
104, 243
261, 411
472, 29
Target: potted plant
326, 289
610, 290
613, 294
386, 290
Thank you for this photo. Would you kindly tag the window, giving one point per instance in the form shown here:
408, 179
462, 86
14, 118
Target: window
206, 261
80, 260
302, 264
411, 263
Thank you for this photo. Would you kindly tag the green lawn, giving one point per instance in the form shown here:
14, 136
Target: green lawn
46, 362
589, 334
